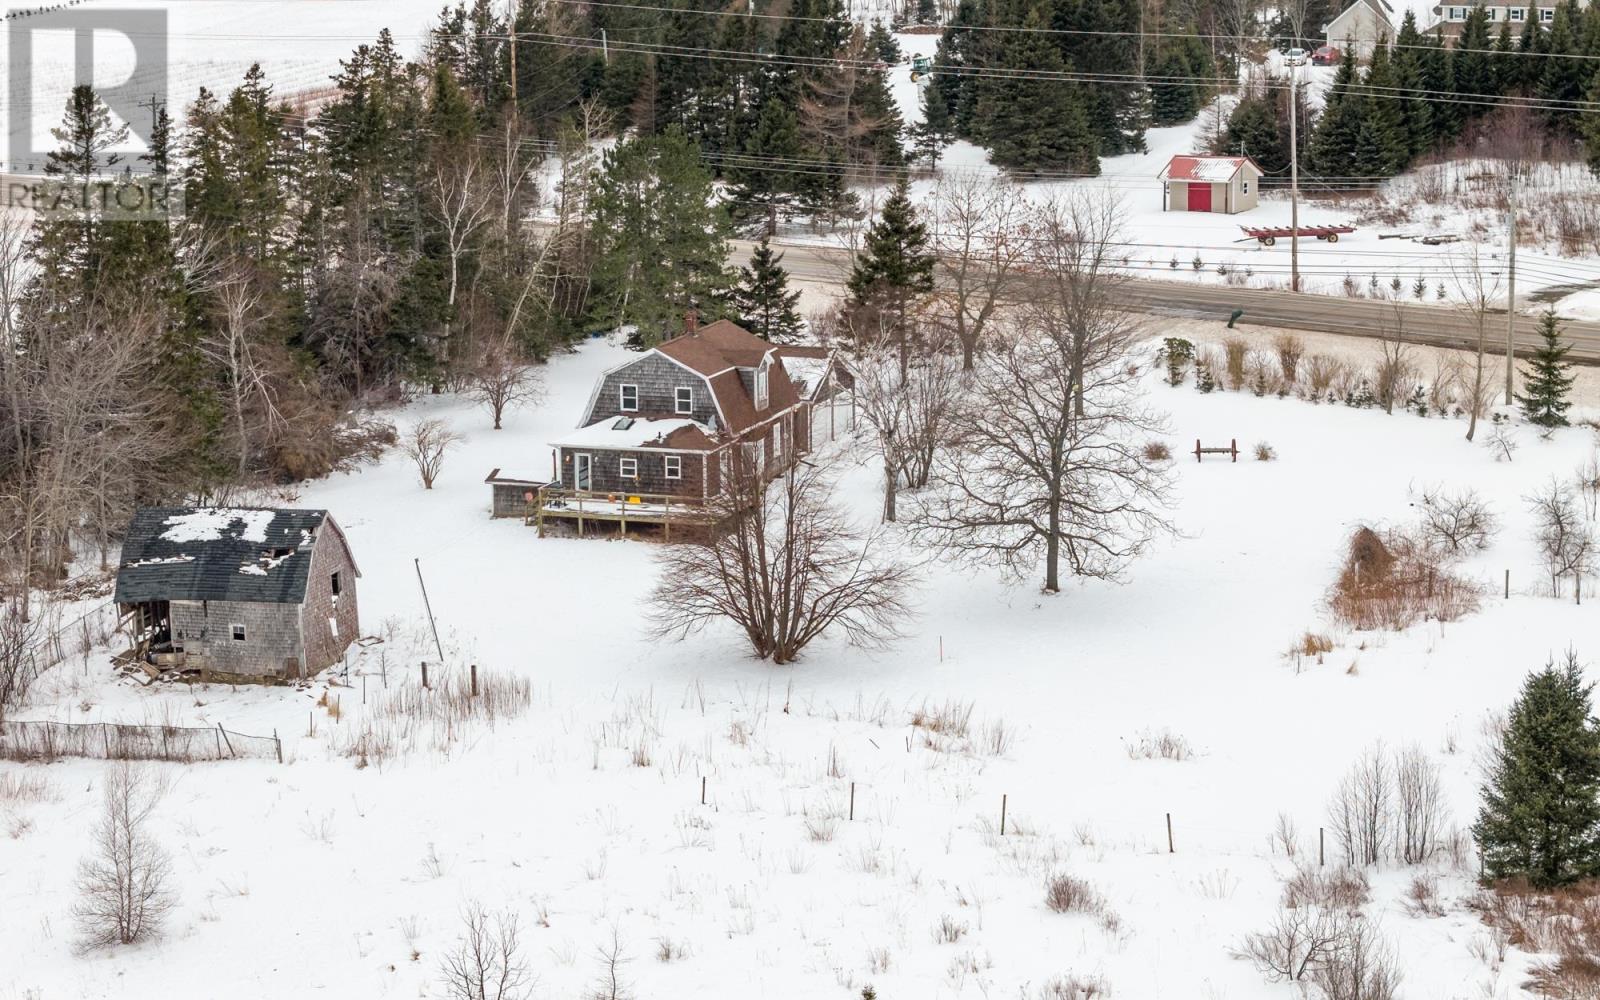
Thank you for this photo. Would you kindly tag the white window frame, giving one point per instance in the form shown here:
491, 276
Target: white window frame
679, 406
761, 387
1458, 13
1246, 185
1516, 13
1493, 13
237, 631
777, 442
628, 468
1547, 14
672, 466
622, 397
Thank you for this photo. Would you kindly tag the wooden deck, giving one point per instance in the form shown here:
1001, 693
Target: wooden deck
552, 503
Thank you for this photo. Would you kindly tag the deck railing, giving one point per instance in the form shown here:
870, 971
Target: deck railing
621, 506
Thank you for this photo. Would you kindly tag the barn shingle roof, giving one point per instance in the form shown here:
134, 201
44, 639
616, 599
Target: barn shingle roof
218, 554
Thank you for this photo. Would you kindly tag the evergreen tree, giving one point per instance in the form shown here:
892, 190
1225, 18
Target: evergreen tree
70, 241
1547, 381
1036, 123
1383, 148
759, 191
762, 298
1472, 63
936, 130
1257, 128
661, 241
1410, 76
927, 12
1563, 78
895, 268
1540, 817
882, 43
1337, 134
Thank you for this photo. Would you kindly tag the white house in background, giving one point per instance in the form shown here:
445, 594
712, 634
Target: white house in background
1200, 182
1362, 24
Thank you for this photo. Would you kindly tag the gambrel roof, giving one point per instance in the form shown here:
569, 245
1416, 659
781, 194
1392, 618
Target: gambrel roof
249, 554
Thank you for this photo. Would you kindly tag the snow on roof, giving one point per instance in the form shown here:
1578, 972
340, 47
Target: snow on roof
628, 432
208, 524
1199, 167
806, 373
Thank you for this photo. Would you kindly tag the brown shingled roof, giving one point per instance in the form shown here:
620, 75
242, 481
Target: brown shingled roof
717, 350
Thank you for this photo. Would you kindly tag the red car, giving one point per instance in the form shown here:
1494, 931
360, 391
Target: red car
1326, 56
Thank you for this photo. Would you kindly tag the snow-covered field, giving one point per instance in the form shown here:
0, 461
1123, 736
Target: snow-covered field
319, 877
210, 43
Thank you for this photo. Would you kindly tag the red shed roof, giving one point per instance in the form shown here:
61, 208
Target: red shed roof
1204, 167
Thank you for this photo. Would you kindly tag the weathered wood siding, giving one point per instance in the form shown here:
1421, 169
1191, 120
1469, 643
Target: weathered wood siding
509, 500
658, 379
607, 472
329, 622
271, 647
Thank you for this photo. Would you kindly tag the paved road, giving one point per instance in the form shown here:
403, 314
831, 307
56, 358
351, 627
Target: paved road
1440, 326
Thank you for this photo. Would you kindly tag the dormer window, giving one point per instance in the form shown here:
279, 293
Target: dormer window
629, 403
683, 400
761, 387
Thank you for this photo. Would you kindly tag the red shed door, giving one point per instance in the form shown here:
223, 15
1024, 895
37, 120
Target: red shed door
1199, 197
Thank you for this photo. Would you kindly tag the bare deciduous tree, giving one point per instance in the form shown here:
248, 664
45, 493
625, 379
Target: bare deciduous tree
1454, 520
487, 962
1396, 372
1565, 540
783, 565
1077, 251
1362, 810
20, 635
907, 410
1360, 965
427, 444
463, 203
1478, 289
1048, 466
233, 344
609, 984
1420, 807
500, 382
1295, 945
976, 221
123, 890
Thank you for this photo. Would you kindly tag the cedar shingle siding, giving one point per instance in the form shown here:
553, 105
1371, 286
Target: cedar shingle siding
658, 379
607, 475
280, 590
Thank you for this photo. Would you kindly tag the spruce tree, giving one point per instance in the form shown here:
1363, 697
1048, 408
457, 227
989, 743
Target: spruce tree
1473, 64
1036, 123
937, 128
1563, 78
1257, 130
661, 241
1547, 381
881, 41
762, 298
896, 268
1540, 817
1383, 149
759, 191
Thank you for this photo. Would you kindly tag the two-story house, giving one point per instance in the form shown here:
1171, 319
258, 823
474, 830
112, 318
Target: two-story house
659, 431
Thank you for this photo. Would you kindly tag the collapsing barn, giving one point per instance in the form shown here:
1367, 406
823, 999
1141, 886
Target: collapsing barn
238, 594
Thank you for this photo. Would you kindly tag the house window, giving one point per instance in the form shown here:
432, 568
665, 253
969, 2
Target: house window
1458, 13
672, 467
777, 443
1247, 187
333, 582
630, 398
238, 632
684, 400
761, 387
1493, 13
1547, 13
629, 468
1516, 13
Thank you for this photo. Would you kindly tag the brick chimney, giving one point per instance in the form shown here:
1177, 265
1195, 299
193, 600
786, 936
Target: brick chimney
691, 322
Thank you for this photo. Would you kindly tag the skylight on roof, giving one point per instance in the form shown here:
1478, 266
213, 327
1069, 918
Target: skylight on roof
622, 423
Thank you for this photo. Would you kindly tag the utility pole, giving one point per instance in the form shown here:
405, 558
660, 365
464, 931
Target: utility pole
511, 30
1511, 285
1294, 177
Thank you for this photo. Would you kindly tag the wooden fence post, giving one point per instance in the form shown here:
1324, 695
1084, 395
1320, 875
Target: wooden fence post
1233, 445
852, 801
1322, 844
225, 739
1508, 585
474, 680
702, 789
424, 675
1170, 848
279, 744
1002, 815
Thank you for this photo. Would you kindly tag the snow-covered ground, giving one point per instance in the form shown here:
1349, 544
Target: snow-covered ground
1165, 244
321, 877
209, 43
